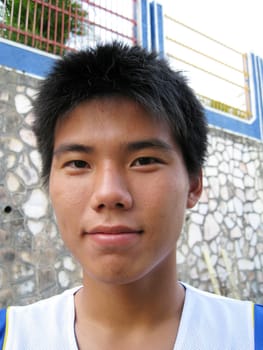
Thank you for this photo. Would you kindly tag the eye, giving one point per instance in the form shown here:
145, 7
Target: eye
78, 164
146, 161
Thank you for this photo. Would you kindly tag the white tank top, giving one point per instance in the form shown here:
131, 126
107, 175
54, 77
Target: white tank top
209, 322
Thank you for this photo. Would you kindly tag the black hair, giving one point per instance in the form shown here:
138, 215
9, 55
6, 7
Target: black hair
128, 71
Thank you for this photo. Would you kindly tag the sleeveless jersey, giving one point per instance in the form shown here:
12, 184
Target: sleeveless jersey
208, 322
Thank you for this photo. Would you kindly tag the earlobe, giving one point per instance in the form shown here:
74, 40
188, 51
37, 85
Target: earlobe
195, 189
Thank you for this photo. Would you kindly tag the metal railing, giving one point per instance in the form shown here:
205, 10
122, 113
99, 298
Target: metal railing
56, 26
217, 72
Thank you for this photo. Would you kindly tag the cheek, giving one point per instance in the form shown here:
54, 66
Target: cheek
67, 200
65, 192
165, 202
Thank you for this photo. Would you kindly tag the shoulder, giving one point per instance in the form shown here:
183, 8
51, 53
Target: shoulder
215, 299
222, 307
218, 319
49, 304
46, 320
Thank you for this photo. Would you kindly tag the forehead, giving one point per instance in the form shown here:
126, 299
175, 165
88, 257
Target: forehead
111, 113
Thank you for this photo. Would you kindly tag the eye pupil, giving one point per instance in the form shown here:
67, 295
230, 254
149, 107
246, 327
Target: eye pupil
80, 163
144, 161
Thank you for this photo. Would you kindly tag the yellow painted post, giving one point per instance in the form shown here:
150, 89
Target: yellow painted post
234, 290
246, 87
211, 271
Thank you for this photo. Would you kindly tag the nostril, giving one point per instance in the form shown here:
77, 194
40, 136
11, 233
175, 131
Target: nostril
119, 205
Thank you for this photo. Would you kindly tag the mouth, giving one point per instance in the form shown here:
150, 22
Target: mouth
121, 237
113, 230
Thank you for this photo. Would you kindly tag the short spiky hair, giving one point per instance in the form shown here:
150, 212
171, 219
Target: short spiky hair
118, 69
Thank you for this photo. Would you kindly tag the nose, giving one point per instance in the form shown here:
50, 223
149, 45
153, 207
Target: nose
110, 190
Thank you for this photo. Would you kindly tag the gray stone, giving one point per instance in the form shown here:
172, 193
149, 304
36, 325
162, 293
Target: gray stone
212, 205
251, 169
214, 185
26, 172
212, 161
194, 235
237, 154
10, 161
248, 233
36, 206
31, 92
220, 147
180, 258
235, 233
258, 206
211, 228
257, 262
36, 159
254, 220
197, 218
245, 264
211, 171
12, 182
28, 137
22, 103
69, 264
251, 194
15, 145
203, 209
239, 183
229, 222
193, 273
224, 167
238, 173
219, 217
249, 181
35, 226
63, 279
222, 179
26, 287
238, 206
29, 119
224, 193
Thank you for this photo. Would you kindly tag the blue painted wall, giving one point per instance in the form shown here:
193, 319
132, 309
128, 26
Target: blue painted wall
25, 59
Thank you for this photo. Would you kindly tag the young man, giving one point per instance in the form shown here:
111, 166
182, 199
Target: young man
123, 140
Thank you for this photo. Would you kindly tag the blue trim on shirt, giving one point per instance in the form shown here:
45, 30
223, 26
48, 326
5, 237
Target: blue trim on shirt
2, 326
258, 331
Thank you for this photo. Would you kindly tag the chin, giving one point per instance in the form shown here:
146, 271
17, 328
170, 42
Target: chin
114, 274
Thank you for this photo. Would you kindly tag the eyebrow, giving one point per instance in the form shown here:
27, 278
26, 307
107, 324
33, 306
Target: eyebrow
130, 147
72, 147
149, 143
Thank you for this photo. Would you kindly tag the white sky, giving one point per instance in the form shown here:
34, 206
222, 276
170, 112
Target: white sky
237, 23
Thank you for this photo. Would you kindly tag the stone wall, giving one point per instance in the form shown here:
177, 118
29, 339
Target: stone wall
220, 248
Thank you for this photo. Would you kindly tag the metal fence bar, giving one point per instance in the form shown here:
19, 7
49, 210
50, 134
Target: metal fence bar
202, 34
231, 70
206, 71
57, 26
110, 11
204, 55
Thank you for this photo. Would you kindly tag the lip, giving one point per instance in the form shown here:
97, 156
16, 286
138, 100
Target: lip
114, 237
111, 230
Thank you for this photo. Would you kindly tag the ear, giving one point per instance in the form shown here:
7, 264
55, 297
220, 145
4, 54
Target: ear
195, 189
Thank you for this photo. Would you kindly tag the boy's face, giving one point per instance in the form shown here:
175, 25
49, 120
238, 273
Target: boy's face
120, 189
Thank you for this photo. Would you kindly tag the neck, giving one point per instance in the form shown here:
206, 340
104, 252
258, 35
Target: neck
156, 298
